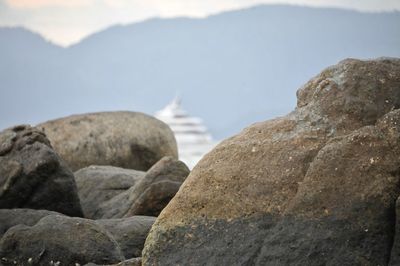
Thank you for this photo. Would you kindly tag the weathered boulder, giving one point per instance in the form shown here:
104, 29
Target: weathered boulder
150, 194
130, 262
130, 233
98, 184
316, 187
395, 254
124, 139
12, 217
59, 239
32, 175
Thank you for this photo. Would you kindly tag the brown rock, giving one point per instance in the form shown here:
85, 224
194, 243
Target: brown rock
316, 187
124, 139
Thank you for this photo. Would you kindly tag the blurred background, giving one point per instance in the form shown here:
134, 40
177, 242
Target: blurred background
230, 62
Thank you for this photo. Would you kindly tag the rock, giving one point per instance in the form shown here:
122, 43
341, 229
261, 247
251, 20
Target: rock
130, 233
130, 262
124, 139
59, 239
32, 175
151, 194
12, 217
98, 184
316, 187
395, 254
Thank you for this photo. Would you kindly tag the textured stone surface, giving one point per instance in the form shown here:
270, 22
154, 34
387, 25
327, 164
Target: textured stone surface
59, 239
395, 254
130, 262
130, 233
316, 187
12, 217
32, 175
150, 194
98, 184
124, 139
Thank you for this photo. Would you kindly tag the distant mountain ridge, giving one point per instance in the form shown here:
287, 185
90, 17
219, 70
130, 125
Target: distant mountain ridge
231, 69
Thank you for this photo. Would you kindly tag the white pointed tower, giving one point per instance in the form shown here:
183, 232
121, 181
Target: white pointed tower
192, 137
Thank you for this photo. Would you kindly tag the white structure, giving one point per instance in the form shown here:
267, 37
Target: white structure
191, 135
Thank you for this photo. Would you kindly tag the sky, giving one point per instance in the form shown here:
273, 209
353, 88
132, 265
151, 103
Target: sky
65, 22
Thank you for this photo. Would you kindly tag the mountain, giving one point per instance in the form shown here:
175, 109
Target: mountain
232, 69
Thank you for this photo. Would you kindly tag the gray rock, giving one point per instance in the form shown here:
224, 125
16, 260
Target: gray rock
151, 194
12, 217
130, 233
316, 187
130, 262
59, 239
395, 253
32, 175
98, 184
124, 139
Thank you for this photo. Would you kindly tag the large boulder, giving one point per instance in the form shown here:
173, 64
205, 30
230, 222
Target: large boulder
130, 233
124, 139
12, 217
130, 262
98, 184
59, 240
316, 187
395, 254
150, 194
32, 175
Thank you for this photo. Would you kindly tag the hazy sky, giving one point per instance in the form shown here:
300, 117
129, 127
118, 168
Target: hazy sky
67, 21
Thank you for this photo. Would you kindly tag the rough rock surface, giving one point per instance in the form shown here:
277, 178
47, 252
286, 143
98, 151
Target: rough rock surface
60, 239
316, 187
151, 194
130, 262
98, 184
12, 217
124, 139
130, 233
395, 255
32, 175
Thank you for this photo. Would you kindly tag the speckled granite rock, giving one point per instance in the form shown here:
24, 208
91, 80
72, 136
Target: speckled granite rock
315, 187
